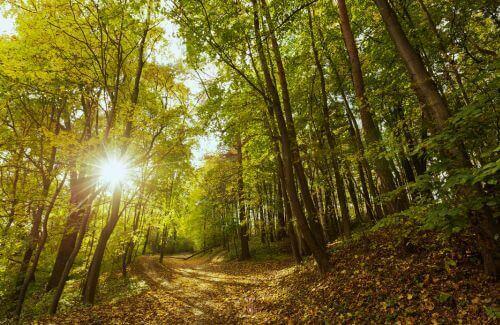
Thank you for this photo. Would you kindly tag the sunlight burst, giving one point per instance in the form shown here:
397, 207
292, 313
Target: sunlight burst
113, 171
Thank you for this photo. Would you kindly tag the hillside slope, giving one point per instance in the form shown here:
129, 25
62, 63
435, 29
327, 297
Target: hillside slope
380, 277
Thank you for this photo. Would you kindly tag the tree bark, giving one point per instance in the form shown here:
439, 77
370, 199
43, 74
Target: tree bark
292, 138
71, 260
436, 113
317, 248
41, 244
334, 150
80, 189
370, 129
245, 250
92, 280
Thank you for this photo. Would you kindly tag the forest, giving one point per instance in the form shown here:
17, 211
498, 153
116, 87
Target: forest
249, 161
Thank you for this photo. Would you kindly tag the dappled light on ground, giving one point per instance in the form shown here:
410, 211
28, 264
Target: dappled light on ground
376, 278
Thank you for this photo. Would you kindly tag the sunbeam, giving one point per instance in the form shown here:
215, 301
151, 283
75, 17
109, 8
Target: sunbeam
113, 171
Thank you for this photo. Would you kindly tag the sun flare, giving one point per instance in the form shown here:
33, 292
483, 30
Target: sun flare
113, 171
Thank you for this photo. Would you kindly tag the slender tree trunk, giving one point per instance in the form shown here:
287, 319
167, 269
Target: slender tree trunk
329, 212
163, 242
80, 189
334, 150
157, 236
317, 248
129, 248
95, 266
437, 113
144, 248
354, 198
245, 250
41, 244
283, 197
37, 219
37, 214
363, 166
71, 260
279, 211
263, 226
28, 254
292, 137
371, 132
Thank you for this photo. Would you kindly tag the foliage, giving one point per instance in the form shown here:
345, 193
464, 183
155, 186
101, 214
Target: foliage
308, 149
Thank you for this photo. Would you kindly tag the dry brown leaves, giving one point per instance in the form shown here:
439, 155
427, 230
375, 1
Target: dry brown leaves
377, 279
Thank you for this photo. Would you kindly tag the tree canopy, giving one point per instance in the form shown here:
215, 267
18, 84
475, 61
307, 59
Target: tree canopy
332, 119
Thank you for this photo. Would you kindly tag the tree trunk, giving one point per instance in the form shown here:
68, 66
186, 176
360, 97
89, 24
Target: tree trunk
245, 250
364, 169
146, 240
334, 150
28, 254
95, 266
354, 199
317, 248
163, 243
292, 137
71, 260
263, 225
436, 113
279, 211
80, 189
41, 244
371, 132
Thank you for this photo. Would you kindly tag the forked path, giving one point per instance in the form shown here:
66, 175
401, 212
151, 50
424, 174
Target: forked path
198, 290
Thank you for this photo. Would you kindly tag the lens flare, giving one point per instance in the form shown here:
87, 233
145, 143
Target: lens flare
113, 171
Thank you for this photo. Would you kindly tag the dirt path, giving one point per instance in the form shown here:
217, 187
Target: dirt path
200, 290
376, 283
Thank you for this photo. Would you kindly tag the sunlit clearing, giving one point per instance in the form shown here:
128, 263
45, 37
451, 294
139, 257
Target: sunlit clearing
113, 171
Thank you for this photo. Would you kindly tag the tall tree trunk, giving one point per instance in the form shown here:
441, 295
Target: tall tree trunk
245, 250
354, 198
71, 260
269, 210
37, 214
279, 210
329, 212
95, 266
317, 248
144, 248
80, 190
163, 242
41, 244
371, 131
292, 136
363, 166
436, 113
334, 150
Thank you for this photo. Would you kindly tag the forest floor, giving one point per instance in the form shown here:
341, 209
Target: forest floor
378, 278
